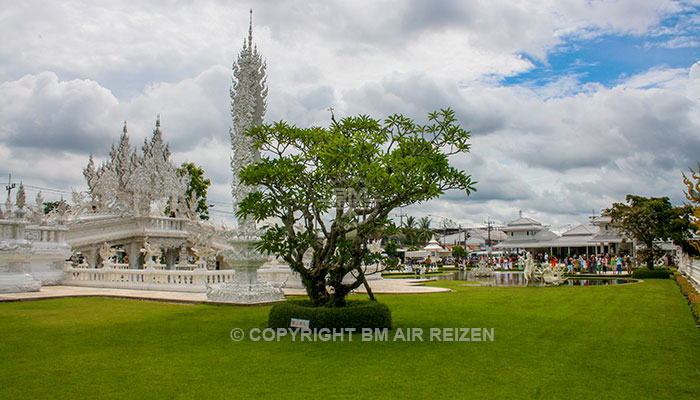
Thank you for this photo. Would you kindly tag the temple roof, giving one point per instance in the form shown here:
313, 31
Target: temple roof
579, 236
540, 239
524, 224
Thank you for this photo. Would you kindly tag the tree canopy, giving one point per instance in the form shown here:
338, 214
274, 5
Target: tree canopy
646, 220
330, 190
459, 252
199, 186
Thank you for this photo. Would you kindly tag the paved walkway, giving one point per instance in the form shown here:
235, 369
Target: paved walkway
384, 286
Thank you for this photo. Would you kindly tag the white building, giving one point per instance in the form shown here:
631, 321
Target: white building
526, 233
576, 241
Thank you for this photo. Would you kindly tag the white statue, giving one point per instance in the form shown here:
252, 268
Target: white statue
106, 253
202, 246
529, 269
149, 252
483, 269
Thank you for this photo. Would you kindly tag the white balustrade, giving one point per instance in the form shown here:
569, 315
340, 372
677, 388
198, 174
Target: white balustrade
195, 280
692, 268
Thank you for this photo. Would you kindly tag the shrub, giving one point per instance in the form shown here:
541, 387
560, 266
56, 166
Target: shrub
691, 294
651, 274
357, 314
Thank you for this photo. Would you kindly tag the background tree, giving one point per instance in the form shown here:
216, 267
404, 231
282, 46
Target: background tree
649, 219
52, 205
199, 185
332, 189
409, 232
459, 252
424, 231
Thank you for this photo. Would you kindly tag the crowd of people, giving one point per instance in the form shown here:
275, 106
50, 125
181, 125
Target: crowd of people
585, 263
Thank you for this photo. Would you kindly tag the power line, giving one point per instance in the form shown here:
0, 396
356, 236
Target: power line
59, 191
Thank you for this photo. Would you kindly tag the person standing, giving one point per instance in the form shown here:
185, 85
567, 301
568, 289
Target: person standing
619, 265
605, 262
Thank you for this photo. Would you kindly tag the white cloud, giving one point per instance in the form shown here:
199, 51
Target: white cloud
76, 70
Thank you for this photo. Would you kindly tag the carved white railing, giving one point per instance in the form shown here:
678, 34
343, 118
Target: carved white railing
49, 233
692, 268
147, 279
164, 224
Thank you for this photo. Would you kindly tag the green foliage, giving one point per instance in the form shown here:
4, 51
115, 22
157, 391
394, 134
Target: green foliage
390, 249
602, 336
424, 231
690, 294
52, 205
651, 274
199, 185
332, 189
459, 252
648, 219
356, 314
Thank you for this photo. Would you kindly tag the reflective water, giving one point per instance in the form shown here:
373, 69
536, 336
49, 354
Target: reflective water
517, 278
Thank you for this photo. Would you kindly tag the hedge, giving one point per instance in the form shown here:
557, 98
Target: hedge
357, 314
691, 294
651, 274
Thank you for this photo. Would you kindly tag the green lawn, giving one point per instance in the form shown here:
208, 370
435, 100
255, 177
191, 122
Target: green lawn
630, 341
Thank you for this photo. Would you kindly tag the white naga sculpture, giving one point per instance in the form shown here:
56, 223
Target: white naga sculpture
553, 276
483, 269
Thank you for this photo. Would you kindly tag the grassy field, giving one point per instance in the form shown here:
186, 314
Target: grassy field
630, 341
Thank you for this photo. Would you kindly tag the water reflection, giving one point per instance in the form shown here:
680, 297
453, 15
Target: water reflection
517, 278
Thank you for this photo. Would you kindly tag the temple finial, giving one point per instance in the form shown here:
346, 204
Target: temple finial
124, 130
158, 121
250, 30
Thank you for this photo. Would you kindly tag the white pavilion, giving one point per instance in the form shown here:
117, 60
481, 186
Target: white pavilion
526, 233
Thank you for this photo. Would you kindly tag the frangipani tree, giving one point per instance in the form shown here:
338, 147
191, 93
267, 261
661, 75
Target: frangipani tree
332, 189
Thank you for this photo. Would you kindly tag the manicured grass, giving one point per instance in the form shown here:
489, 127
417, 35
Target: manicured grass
628, 341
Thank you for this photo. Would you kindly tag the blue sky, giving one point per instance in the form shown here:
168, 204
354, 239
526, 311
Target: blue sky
609, 58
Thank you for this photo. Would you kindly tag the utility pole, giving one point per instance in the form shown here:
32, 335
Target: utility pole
446, 223
488, 223
9, 186
401, 214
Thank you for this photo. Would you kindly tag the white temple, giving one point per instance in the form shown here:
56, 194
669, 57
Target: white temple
33, 245
126, 204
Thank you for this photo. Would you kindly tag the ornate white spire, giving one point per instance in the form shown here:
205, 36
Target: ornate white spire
250, 30
129, 183
248, 102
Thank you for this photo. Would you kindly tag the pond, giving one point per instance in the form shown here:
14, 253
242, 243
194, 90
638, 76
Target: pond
517, 278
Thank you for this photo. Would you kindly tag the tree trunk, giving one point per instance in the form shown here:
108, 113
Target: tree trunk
368, 289
317, 292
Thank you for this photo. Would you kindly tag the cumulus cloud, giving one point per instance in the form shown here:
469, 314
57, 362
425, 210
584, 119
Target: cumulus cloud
75, 71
